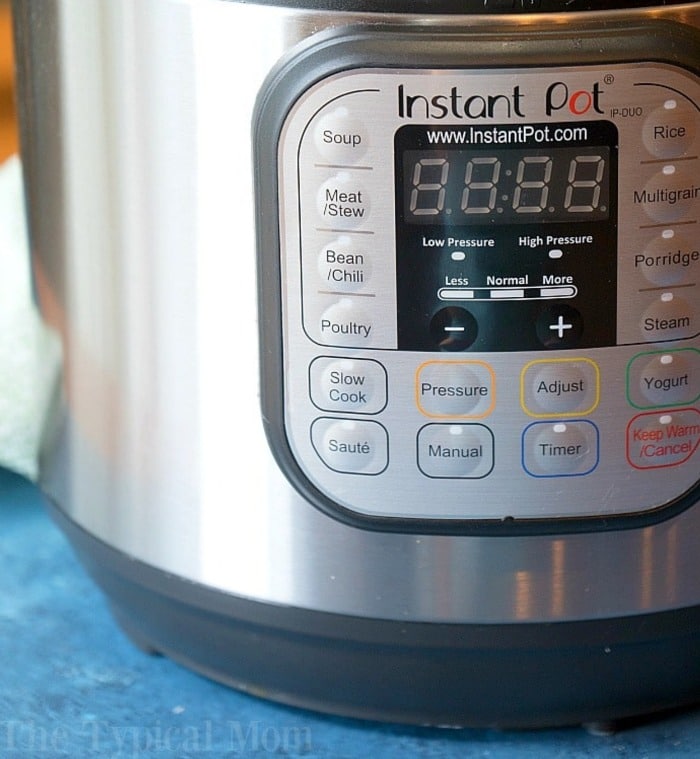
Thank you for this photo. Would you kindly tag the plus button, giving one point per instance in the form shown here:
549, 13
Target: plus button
560, 328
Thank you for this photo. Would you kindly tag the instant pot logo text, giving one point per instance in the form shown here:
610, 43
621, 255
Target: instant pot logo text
559, 98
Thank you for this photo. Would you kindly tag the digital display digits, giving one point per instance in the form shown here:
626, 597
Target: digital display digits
507, 185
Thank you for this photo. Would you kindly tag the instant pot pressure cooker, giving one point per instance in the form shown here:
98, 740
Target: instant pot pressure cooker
380, 328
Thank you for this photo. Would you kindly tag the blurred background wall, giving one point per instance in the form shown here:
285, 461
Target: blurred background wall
8, 132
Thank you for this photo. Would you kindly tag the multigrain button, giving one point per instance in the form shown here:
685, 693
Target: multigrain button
459, 451
560, 449
351, 446
668, 196
666, 378
669, 317
456, 389
560, 387
348, 385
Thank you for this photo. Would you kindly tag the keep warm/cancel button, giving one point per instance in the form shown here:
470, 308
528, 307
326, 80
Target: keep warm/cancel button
661, 440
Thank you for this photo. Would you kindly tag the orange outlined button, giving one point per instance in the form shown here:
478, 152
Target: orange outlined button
560, 387
455, 389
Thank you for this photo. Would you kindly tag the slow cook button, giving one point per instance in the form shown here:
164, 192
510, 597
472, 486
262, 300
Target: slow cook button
560, 449
666, 378
670, 130
655, 441
340, 137
348, 385
351, 446
455, 389
457, 451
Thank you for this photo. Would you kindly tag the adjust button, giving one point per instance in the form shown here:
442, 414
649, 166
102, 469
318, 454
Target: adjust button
560, 387
560, 449
350, 446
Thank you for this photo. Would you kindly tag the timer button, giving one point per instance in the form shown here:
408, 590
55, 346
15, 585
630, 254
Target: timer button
343, 202
670, 130
342, 267
668, 196
560, 449
669, 259
340, 137
669, 318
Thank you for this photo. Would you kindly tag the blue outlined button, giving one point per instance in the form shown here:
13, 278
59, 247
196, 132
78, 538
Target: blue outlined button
561, 449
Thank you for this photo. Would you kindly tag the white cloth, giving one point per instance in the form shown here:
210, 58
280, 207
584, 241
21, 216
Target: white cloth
29, 353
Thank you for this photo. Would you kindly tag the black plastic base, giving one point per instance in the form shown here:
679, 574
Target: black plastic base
510, 675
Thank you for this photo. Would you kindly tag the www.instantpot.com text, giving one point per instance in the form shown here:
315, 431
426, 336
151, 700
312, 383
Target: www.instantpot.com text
499, 135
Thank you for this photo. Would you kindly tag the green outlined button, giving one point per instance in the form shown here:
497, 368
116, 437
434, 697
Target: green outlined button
560, 387
664, 379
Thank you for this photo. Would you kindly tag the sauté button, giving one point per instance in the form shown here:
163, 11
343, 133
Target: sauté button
351, 446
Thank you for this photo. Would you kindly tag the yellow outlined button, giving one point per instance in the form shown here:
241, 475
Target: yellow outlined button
455, 389
560, 387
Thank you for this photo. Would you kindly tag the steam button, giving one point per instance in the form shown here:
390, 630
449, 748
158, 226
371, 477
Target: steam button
669, 317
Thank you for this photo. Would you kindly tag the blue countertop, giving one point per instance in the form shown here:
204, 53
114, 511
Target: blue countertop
72, 685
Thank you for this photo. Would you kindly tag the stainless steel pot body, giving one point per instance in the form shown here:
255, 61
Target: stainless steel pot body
137, 132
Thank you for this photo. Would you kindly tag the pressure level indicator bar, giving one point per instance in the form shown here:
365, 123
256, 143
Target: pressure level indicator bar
507, 293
